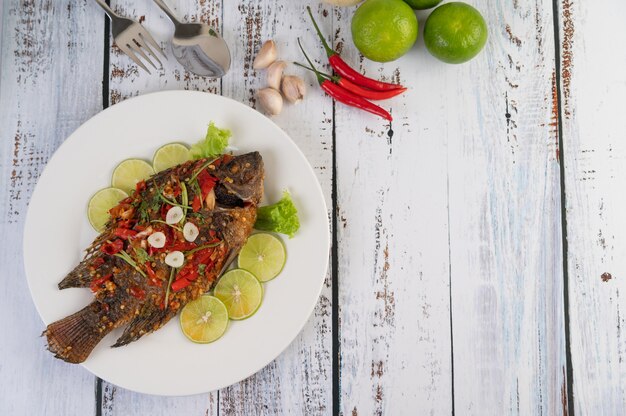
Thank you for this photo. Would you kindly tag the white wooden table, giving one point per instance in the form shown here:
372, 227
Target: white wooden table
479, 253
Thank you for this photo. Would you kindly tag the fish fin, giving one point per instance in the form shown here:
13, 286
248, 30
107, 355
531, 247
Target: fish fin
144, 324
76, 278
73, 338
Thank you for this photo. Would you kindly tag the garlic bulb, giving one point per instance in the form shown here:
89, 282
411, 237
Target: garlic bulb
175, 259
293, 89
174, 215
157, 240
267, 54
275, 74
271, 101
190, 231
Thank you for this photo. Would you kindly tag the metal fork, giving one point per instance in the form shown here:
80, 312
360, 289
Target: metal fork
132, 38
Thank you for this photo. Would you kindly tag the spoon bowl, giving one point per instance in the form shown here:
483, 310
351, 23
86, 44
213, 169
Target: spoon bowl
198, 47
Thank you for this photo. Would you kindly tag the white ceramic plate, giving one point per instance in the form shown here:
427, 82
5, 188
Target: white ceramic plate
57, 232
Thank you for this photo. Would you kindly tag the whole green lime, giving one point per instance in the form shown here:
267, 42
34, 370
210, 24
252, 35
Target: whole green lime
455, 32
422, 4
384, 30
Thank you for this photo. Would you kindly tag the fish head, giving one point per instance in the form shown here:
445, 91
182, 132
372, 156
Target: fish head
240, 180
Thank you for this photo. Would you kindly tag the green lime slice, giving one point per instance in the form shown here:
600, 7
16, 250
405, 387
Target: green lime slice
170, 155
241, 292
263, 255
204, 320
100, 204
129, 172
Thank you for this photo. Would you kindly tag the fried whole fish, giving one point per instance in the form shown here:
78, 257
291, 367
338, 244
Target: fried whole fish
126, 266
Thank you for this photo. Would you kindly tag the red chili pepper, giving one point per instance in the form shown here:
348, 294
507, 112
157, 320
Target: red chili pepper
202, 256
124, 233
344, 96
95, 284
97, 262
112, 247
357, 89
137, 292
345, 70
196, 203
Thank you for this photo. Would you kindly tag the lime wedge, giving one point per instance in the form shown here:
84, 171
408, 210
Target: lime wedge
129, 172
204, 320
263, 255
170, 155
241, 292
100, 204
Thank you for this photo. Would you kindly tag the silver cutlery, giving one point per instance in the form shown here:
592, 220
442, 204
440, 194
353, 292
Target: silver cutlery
132, 38
198, 47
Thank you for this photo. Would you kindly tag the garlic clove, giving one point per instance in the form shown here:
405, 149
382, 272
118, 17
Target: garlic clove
157, 240
293, 88
210, 200
271, 101
275, 74
267, 54
174, 215
175, 259
190, 231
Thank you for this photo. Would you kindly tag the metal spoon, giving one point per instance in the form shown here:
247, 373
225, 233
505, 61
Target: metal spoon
197, 47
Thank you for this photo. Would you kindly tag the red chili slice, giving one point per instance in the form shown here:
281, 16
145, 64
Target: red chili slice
124, 233
95, 284
180, 284
196, 204
112, 247
137, 292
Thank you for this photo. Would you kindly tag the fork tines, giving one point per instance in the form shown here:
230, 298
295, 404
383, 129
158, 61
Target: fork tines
134, 41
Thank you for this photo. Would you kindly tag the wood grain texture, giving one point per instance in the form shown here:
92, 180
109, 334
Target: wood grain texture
592, 95
126, 80
299, 381
505, 219
393, 271
48, 47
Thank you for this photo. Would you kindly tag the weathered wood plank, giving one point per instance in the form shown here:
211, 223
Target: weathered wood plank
51, 82
300, 380
592, 95
505, 223
127, 80
393, 240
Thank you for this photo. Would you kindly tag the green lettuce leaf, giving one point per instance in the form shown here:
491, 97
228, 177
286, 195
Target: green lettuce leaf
281, 217
213, 144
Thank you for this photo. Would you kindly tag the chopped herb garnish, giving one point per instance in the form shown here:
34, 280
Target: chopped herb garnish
128, 259
185, 200
201, 268
173, 203
142, 255
169, 285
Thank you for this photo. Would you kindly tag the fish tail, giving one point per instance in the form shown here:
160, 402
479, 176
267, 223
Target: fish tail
73, 338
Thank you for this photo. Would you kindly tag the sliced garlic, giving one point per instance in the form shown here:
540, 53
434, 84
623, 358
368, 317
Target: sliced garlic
174, 215
190, 231
175, 259
267, 54
157, 240
210, 200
